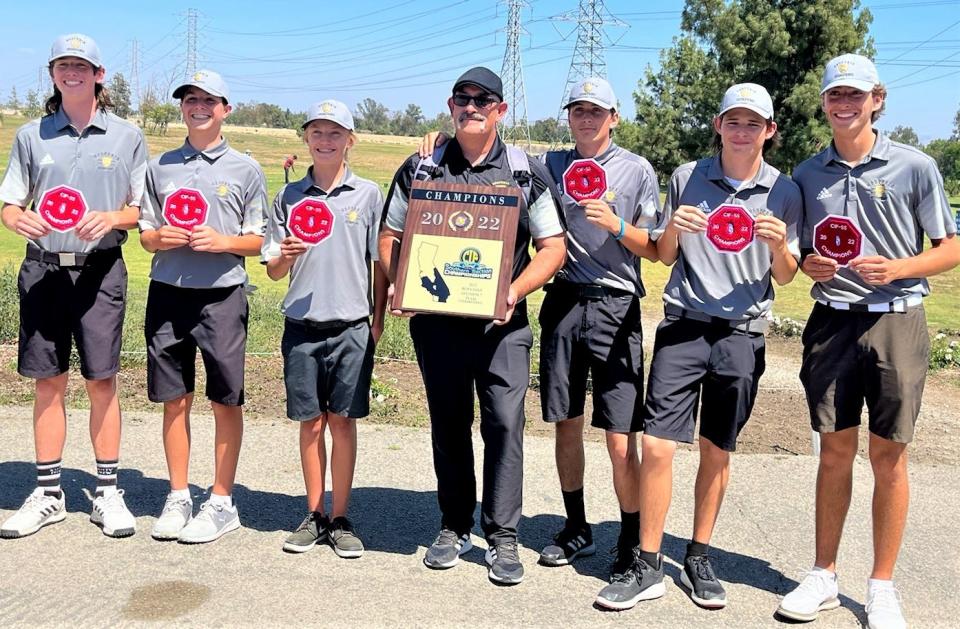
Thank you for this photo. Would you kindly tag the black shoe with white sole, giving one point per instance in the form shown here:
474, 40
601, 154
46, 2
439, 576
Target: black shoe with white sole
571, 542
446, 549
640, 582
698, 577
504, 562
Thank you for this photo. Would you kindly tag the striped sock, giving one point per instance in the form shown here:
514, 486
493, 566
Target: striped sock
106, 477
48, 477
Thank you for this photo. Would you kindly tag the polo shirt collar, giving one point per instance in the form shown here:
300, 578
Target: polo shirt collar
189, 151
880, 150
349, 180
601, 157
61, 121
495, 156
766, 176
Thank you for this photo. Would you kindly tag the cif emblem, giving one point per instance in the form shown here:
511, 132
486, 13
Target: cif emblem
470, 255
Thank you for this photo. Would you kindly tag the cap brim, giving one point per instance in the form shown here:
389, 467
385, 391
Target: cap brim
94, 63
589, 99
330, 118
478, 86
180, 91
857, 84
766, 115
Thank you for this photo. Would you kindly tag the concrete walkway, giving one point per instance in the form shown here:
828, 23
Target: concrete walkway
70, 574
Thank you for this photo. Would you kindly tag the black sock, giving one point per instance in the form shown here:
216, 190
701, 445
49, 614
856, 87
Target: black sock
573, 503
651, 559
629, 529
48, 477
106, 476
696, 549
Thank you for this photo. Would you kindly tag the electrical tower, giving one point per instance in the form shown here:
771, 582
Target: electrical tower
191, 67
43, 73
135, 74
588, 59
514, 129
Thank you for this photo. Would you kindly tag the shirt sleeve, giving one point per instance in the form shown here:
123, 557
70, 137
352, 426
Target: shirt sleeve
648, 198
793, 216
544, 210
373, 229
933, 207
17, 187
138, 170
276, 229
395, 208
151, 212
669, 205
255, 204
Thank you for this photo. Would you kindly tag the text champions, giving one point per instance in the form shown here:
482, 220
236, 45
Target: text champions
456, 196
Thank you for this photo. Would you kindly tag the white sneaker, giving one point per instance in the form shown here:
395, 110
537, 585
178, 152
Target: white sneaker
883, 607
816, 593
110, 513
214, 520
177, 512
38, 510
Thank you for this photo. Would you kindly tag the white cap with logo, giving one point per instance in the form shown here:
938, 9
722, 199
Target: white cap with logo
207, 80
850, 70
749, 96
76, 45
332, 110
593, 90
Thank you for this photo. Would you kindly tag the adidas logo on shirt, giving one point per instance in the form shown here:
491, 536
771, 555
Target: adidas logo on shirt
47, 160
167, 189
824, 194
703, 206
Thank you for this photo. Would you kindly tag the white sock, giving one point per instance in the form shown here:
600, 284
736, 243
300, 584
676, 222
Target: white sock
879, 584
824, 572
180, 493
226, 501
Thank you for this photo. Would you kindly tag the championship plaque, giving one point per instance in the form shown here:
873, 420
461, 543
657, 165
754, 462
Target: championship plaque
456, 256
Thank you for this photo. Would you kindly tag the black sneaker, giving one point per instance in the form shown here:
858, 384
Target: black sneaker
698, 577
639, 582
571, 542
344, 539
446, 549
311, 532
504, 562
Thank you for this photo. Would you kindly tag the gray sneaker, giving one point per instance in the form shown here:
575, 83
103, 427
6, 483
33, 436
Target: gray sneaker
446, 549
640, 582
344, 539
212, 522
312, 531
504, 562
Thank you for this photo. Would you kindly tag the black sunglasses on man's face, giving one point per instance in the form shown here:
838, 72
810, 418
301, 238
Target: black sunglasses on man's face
482, 101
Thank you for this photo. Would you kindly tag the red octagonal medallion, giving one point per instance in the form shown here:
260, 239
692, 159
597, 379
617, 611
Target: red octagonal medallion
186, 208
62, 208
837, 238
311, 221
585, 179
730, 228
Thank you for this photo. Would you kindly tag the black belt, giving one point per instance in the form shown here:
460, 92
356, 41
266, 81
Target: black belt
755, 326
326, 325
586, 291
68, 258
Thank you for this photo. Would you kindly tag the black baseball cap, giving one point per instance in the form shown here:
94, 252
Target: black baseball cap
484, 78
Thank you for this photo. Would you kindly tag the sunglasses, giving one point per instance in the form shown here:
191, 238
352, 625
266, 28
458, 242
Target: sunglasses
482, 101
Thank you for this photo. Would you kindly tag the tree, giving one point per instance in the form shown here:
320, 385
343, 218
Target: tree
160, 116
32, 107
780, 44
441, 122
544, 130
120, 95
14, 101
947, 154
956, 126
409, 122
372, 116
906, 135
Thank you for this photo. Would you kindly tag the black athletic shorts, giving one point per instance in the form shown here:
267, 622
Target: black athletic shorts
854, 357
597, 335
181, 320
709, 359
61, 304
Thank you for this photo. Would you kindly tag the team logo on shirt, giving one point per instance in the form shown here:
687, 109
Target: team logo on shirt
610, 195
351, 215
879, 189
222, 188
106, 161
502, 184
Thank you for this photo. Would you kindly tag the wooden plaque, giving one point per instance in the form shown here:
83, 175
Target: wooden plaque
456, 256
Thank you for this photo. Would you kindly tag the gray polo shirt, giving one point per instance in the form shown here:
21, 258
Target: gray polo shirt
106, 162
236, 193
729, 285
331, 281
593, 255
894, 196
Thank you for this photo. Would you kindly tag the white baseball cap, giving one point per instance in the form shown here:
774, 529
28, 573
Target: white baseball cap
207, 80
749, 96
76, 45
332, 110
850, 70
594, 90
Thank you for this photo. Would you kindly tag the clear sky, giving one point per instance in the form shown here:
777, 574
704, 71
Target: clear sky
410, 51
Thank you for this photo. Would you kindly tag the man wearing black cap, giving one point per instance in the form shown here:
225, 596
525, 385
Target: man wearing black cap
456, 354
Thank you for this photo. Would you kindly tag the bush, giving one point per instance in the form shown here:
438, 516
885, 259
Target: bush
9, 305
944, 351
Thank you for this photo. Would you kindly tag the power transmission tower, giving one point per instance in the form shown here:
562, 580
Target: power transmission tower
514, 128
191, 67
135, 74
588, 58
43, 73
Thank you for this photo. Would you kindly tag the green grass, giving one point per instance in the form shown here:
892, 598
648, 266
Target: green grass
375, 158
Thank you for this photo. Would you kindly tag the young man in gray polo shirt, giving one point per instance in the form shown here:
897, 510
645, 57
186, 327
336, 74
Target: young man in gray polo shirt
729, 228
203, 211
456, 354
868, 203
72, 189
